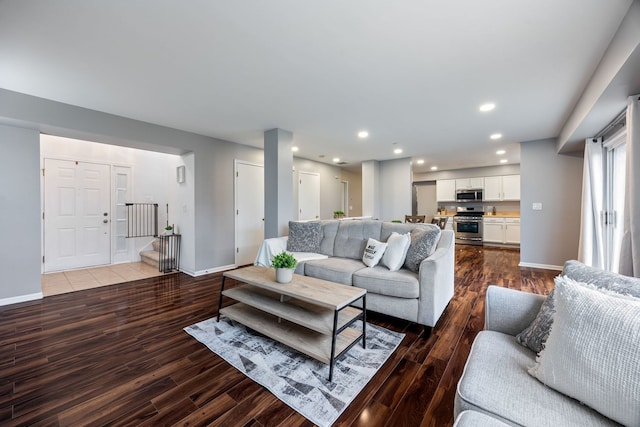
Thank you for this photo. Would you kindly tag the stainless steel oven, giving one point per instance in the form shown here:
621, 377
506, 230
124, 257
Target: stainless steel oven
468, 227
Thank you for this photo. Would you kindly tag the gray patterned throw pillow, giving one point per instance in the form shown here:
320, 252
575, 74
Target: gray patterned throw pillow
423, 245
304, 236
536, 334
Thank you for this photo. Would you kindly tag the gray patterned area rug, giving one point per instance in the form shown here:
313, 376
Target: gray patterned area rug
298, 380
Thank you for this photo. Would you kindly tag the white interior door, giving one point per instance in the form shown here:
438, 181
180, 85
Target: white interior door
76, 215
308, 195
249, 198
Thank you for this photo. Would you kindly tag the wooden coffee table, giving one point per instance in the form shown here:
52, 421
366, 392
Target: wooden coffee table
311, 315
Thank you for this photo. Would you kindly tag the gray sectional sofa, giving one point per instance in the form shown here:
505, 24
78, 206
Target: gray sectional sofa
496, 381
419, 297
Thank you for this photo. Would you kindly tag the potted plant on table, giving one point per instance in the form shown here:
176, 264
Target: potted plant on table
284, 263
168, 230
338, 214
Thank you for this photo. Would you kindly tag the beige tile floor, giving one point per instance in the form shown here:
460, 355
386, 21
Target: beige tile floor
76, 280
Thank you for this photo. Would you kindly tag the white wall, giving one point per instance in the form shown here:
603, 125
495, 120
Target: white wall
549, 237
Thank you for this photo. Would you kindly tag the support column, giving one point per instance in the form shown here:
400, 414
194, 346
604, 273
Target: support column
371, 188
278, 182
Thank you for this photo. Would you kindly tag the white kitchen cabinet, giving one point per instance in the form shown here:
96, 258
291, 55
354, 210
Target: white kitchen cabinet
469, 183
501, 230
512, 230
511, 187
498, 188
493, 230
446, 190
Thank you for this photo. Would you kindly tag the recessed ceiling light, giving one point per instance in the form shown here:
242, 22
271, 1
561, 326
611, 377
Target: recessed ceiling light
495, 136
434, 168
487, 107
336, 159
420, 162
294, 148
397, 151
503, 160
363, 134
500, 152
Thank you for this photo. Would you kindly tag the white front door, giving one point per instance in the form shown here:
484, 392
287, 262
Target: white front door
249, 211
308, 195
76, 215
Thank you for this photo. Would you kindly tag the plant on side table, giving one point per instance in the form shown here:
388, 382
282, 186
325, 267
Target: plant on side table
285, 264
338, 214
168, 230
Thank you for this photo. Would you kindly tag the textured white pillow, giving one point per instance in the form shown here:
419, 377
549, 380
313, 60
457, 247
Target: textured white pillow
593, 350
373, 252
397, 247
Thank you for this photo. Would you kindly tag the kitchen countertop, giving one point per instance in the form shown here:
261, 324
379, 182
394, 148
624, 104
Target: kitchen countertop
503, 215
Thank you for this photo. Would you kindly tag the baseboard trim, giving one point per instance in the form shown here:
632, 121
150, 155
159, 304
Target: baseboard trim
542, 266
193, 273
20, 298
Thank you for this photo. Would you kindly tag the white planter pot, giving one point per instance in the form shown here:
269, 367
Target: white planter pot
284, 275
168, 232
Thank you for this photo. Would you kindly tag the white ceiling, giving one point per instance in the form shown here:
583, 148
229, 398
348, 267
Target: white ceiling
411, 72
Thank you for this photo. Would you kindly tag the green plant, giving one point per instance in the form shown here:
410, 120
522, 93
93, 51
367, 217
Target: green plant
396, 220
284, 260
169, 227
338, 213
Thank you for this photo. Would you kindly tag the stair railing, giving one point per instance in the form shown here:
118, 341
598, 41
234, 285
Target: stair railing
142, 219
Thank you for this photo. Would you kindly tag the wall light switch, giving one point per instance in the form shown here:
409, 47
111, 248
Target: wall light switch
537, 206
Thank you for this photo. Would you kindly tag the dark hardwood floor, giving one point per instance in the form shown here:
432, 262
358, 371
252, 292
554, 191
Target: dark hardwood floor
118, 355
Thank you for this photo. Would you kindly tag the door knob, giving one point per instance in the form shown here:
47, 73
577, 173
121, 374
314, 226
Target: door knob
105, 221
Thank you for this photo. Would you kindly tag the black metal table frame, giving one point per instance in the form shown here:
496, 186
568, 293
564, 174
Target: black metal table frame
336, 330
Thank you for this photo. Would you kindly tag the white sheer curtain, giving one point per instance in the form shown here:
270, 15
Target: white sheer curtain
591, 247
630, 250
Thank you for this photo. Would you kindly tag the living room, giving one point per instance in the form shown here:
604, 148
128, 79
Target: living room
35, 101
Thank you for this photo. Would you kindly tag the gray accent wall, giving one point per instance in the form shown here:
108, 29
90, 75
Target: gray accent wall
20, 214
550, 236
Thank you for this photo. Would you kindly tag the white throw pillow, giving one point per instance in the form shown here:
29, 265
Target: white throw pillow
592, 351
373, 252
397, 247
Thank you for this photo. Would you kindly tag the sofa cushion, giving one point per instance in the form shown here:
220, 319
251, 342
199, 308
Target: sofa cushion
352, 237
394, 255
304, 236
423, 245
329, 231
379, 280
495, 381
592, 350
536, 334
339, 270
373, 252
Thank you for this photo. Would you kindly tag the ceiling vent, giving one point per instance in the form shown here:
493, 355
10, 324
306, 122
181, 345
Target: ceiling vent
341, 163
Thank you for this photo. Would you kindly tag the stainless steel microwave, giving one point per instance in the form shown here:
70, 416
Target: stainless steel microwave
469, 195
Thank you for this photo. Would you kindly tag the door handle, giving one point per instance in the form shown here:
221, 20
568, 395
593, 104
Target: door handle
105, 221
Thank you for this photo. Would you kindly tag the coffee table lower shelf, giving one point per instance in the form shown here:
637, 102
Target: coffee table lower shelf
309, 342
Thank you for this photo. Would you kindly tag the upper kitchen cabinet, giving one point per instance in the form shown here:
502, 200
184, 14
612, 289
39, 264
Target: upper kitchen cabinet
497, 188
469, 183
446, 190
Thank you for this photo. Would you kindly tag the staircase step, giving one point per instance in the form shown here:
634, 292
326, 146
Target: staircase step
153, 258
